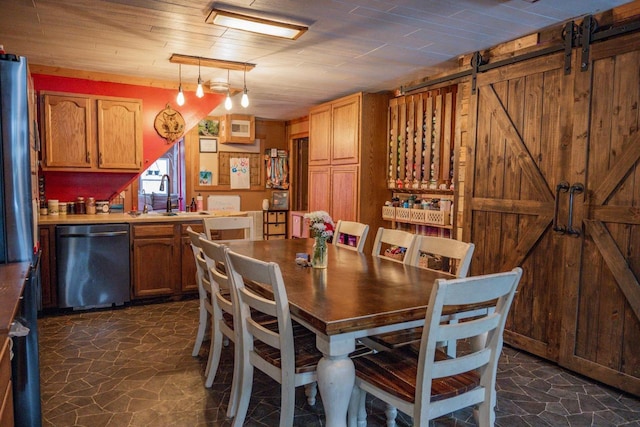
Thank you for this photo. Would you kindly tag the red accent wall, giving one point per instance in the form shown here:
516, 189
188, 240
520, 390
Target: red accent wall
66, 186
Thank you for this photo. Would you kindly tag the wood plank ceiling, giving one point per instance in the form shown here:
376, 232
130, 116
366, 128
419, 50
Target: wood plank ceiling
351, 45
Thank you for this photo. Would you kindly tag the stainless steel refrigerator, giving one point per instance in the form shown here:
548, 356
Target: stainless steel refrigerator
18, 227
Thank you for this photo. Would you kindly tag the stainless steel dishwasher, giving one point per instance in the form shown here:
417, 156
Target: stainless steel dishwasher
93, 265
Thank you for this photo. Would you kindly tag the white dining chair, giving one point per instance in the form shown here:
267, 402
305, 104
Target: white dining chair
388, 237
346, 229
285, 351
455, 256
223, 317
428, 384
204, 292
227, 223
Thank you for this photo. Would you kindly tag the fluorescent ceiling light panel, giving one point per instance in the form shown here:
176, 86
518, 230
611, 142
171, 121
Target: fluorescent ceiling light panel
255, 25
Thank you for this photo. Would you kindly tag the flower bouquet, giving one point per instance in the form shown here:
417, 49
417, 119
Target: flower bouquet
321, 229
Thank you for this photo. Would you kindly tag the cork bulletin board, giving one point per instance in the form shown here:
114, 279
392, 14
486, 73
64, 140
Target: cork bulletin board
255, 162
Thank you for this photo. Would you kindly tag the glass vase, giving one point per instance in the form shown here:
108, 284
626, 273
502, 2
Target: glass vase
319, 256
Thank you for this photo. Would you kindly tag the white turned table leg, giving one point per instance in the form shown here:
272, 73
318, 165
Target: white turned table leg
336, 376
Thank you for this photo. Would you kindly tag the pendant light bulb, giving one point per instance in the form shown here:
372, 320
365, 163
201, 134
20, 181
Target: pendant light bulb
245, 98
227, 102
180, 97
199, 90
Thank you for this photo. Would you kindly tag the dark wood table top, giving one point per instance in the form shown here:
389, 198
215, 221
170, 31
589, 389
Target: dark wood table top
355, 292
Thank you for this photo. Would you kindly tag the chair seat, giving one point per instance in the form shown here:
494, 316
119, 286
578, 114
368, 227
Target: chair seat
306, 353
392, 340
395, 372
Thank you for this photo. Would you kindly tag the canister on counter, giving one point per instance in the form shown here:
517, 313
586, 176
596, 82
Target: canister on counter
62, 208
102, 207
52, 205
71, 208
90, 206
80, 206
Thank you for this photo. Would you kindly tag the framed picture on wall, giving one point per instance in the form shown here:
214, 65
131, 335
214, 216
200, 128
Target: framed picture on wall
208, 145
208, 127
280, 200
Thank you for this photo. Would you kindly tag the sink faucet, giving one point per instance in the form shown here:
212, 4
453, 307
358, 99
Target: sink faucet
168, 190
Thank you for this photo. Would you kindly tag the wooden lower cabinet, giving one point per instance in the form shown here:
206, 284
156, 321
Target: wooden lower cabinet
6, 389
162, 260
48, 277
156, 264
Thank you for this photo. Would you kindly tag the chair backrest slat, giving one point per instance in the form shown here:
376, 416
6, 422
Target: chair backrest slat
454, 250
392, 237
351, 228
243, 223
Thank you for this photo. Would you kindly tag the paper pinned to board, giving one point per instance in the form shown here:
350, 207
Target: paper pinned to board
239, 172
223, 203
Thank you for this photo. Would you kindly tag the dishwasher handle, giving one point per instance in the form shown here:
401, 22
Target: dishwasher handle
96, 234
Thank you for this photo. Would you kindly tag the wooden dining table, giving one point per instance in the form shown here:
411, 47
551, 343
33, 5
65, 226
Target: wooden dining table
357, 295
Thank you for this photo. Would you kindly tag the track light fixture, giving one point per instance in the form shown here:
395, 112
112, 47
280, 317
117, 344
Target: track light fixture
180, 97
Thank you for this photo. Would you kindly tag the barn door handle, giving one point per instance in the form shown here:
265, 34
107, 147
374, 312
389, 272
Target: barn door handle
576, 188
562, 187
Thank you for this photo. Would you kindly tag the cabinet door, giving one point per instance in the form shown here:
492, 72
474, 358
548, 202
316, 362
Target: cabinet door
319, 188
320, 135
119, 134
344, 195
345, 131
156, 260
48, 278
68, 131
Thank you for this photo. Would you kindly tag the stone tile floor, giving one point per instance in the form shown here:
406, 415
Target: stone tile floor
132, 366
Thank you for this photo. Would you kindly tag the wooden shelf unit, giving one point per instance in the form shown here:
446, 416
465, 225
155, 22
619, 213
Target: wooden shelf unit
274, 224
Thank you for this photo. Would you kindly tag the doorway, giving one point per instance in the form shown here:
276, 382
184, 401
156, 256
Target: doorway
300, 151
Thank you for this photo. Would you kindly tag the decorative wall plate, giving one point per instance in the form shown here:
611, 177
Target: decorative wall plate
169, 124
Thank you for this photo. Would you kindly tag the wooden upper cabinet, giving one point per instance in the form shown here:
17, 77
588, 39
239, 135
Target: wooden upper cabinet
345, 133
320, 135
119, 134
68, 131
86, 133
334, 132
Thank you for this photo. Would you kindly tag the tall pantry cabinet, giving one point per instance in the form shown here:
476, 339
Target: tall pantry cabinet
347, 158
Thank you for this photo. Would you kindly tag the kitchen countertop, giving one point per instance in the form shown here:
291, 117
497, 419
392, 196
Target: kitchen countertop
115, 218
12, 277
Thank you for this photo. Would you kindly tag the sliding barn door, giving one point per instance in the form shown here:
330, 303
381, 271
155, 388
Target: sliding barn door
601, 330
519, 155
554, 186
